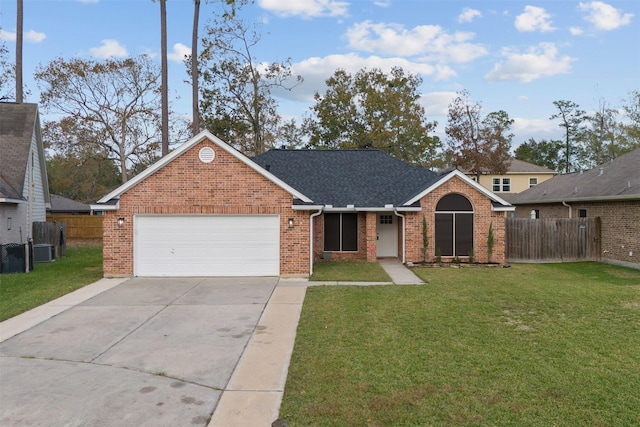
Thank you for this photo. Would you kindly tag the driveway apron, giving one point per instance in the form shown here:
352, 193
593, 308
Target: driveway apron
148, 352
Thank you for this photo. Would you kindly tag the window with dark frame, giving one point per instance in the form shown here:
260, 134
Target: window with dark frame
582, 213
501, 185
386, 219
533, 182
454, 225
341, 232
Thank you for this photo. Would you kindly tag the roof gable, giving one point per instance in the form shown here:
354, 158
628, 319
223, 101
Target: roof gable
498, 202
19, 125
202, 136
619, 179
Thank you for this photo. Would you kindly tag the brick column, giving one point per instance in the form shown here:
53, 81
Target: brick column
372, 237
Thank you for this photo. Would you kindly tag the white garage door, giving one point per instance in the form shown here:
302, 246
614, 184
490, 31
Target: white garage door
206, 245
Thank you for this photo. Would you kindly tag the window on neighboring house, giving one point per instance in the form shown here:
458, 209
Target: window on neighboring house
501, 185
533, 182
535, 214
582, 213
340, 232
454, 225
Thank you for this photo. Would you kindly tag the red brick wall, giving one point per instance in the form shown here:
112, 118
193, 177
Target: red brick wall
483, 216
620, 224
188, 186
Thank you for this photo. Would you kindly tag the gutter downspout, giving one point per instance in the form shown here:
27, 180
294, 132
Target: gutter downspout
404, 245
565, 204
311, 240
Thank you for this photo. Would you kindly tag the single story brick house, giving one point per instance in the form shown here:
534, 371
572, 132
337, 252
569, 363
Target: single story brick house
610, 191
208, 210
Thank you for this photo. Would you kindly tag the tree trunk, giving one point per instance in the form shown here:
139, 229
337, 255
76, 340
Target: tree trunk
19, 25
194, 69
165, 90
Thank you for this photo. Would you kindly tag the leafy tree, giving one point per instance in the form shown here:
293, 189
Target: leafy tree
542, 153
112, 106
82, 176
7, 74
601, 137
630, 129
572, 119
373, 109
236, 103
478, 144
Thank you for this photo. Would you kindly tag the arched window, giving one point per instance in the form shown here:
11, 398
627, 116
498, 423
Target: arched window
454, 225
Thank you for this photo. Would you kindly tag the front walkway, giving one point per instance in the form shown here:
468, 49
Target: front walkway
399, 273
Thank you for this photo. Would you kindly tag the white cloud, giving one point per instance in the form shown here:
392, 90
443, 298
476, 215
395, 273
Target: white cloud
522, 126
7, 36
382, 3
109, 48
180, 52
575, 31
429, 41
437, 103
603, 16
305, 8
534, 19
538, 61
30, 36
317, 70
468, 15
34, 36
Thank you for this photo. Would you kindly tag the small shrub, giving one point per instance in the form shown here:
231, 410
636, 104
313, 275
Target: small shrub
490, 242
438, 256
471, 256
457, 260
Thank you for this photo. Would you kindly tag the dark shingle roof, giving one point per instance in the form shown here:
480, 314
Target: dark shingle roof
619, 179
363, 178
17, 124
63, 204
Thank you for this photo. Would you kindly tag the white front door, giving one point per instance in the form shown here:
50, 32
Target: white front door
387, 230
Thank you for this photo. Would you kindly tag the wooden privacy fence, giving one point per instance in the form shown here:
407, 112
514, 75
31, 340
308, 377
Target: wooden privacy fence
80, 226
553, 239
51, 233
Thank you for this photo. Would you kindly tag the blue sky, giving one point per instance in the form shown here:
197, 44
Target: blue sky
518, 56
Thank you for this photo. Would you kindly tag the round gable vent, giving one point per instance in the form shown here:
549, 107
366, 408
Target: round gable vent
206, 155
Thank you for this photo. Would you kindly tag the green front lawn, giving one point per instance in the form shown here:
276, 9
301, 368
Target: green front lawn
530, 345
348, 271
20, 292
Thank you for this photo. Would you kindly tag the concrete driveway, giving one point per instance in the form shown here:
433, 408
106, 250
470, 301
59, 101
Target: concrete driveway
148, 352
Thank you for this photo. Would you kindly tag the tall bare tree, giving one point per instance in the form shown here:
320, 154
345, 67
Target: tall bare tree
572, 120
7, 74
165, 78
113, 104
194, 69
237, 103
19, 38
477, 144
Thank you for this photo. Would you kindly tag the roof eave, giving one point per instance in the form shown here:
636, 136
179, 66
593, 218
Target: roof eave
579, 199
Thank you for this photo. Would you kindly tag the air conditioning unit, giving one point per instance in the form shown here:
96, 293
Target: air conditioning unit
43, 252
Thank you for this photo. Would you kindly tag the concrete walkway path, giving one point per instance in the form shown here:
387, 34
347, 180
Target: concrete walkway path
399, 273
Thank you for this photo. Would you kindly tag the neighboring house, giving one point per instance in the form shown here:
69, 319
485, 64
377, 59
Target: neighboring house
610, 191
63, 206
520, 176
24, 189
208, 210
